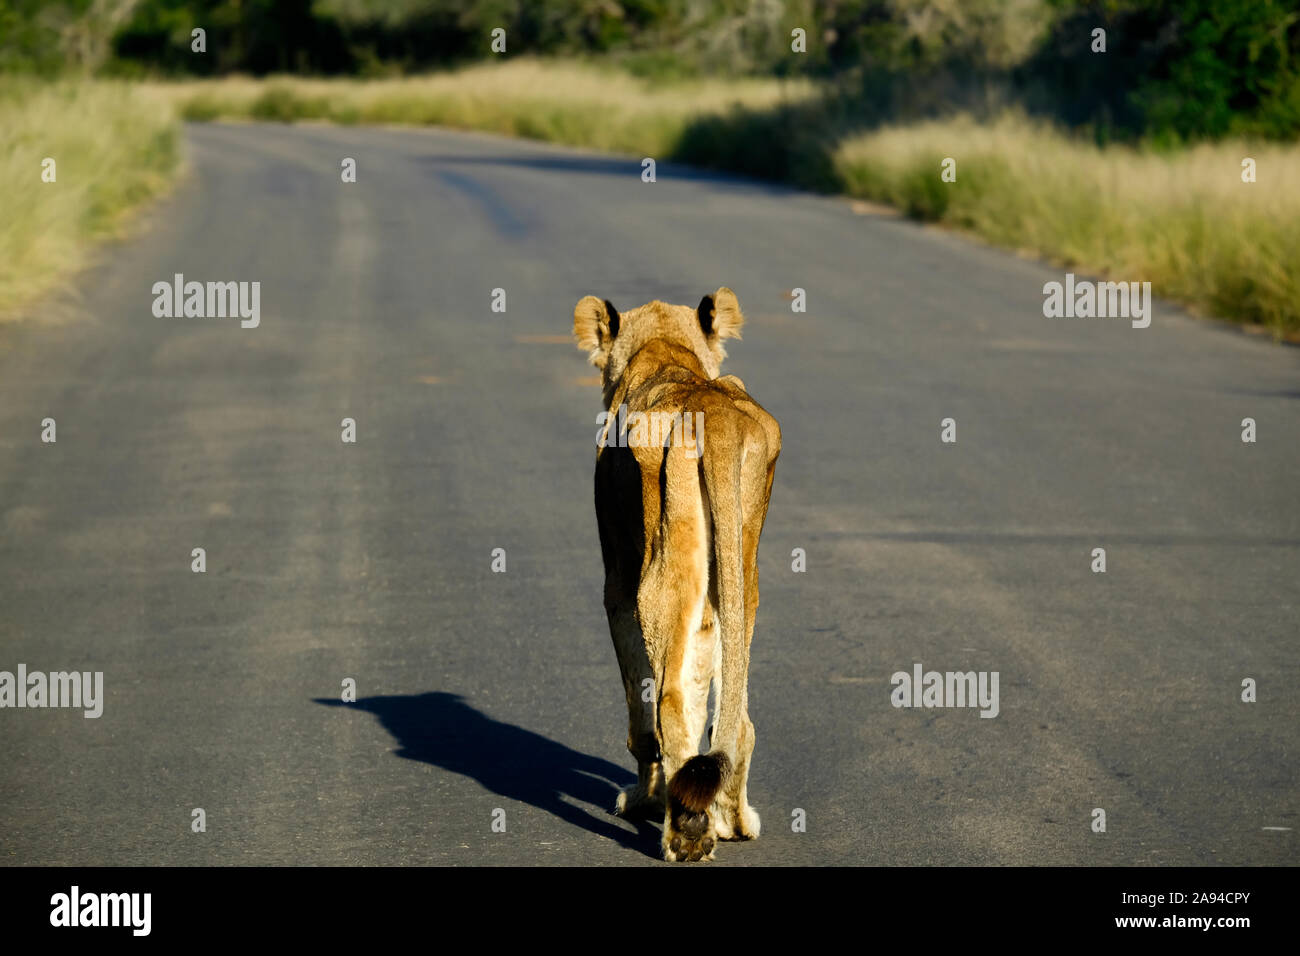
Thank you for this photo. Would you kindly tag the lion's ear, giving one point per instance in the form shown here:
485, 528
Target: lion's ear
720, 314
595, 324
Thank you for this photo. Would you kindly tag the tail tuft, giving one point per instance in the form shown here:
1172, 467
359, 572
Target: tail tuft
697, 783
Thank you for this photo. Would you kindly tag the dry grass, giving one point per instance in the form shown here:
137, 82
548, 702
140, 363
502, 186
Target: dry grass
1184, 221
563, 103
113, 149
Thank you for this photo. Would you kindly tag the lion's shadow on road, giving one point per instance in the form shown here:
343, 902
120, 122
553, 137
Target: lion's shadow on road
442, 729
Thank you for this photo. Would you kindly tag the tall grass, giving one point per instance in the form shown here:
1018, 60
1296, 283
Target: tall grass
1182, 220
597, 107
113, 150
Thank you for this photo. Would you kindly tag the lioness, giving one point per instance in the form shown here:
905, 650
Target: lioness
680, 513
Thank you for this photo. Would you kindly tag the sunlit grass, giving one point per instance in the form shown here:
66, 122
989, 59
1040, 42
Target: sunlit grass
1182, 220
114, 150
601, 108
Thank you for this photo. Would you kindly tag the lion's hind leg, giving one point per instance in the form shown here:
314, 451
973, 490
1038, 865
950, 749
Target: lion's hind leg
689, 831
645, 798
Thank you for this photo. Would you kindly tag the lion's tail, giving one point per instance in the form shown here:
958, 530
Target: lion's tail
696, 784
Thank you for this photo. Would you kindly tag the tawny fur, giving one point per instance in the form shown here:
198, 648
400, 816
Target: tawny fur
679, 530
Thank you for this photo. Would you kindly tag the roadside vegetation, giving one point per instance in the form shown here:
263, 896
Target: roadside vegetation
579, 105
113, 148
1181, 219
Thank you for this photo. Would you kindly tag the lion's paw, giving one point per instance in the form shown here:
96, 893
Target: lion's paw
689, 837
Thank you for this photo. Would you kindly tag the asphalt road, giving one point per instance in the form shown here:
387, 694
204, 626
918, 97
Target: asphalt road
476, 430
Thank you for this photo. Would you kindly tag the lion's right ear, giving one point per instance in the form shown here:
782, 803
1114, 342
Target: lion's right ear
720, 314
595, 325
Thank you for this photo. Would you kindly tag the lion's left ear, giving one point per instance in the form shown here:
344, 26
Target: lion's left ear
720, 315
595, 324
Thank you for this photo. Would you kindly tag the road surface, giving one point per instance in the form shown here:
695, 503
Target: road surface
481, 691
